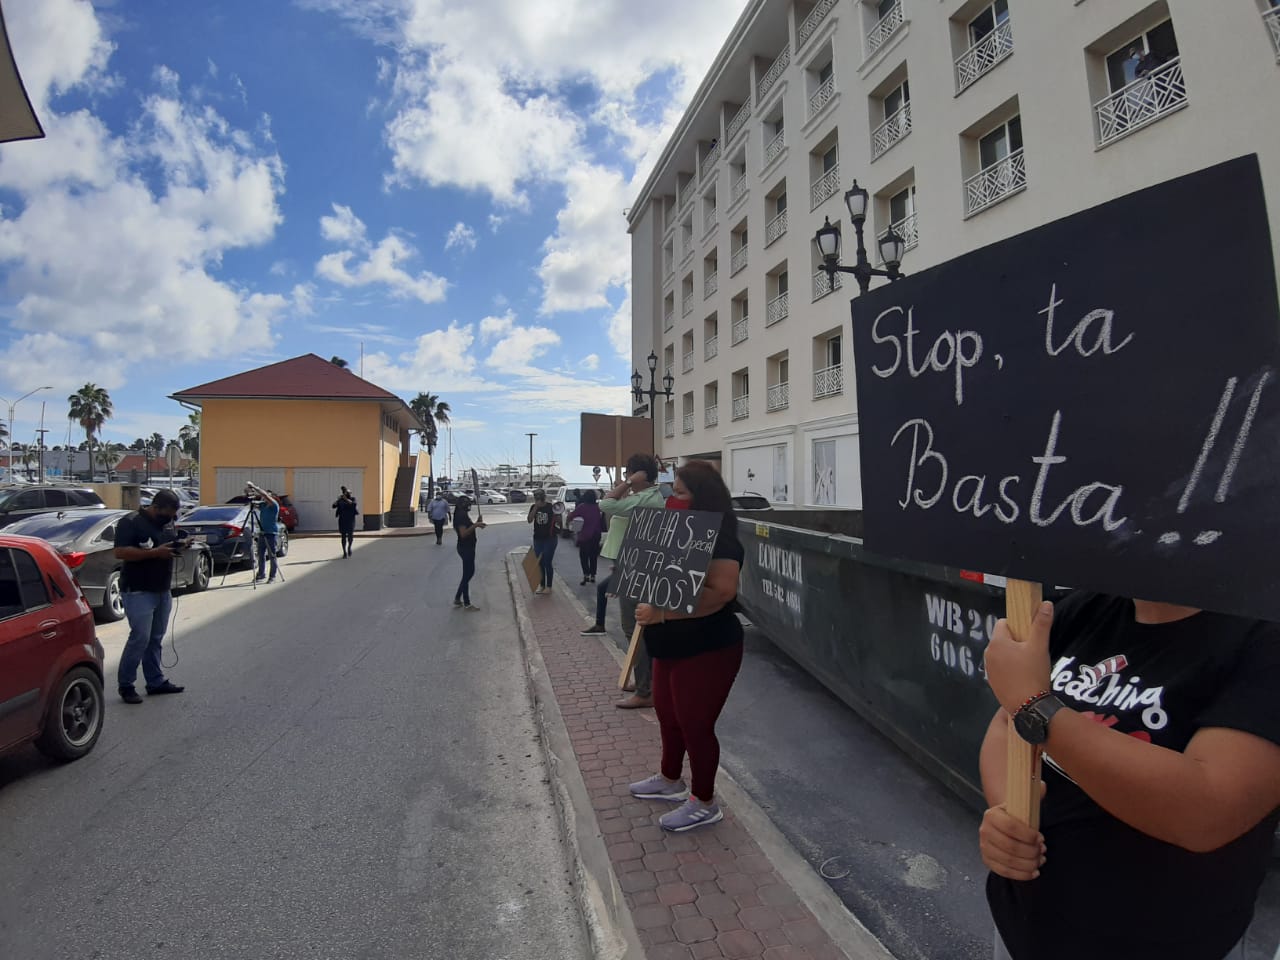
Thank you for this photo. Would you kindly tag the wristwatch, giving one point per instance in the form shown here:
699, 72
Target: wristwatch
1032, 719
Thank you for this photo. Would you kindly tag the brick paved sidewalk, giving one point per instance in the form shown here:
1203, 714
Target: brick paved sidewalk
707, 893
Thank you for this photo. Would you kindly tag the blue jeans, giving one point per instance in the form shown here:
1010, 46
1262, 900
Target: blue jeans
266, 540
468, 571
148, 615
545, 551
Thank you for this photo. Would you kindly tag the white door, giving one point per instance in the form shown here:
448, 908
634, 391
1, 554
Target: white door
315, 489
231, 480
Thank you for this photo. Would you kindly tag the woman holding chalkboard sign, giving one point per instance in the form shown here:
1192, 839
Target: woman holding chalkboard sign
1161, 738
696, 658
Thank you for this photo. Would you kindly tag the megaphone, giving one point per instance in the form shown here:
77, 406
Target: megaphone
558, 507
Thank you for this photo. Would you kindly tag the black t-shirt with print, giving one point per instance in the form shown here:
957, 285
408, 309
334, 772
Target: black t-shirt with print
543, 522
689, 637
145, 576
1107, 890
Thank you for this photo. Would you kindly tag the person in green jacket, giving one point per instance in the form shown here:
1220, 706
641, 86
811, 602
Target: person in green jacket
637, 490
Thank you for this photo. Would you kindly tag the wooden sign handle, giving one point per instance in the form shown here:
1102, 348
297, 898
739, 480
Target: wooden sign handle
633, 651
1022, 790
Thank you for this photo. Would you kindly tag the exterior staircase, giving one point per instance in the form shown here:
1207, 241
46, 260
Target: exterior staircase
402, 513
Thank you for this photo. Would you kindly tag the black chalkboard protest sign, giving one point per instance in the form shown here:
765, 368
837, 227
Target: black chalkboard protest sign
1078, 405
664, 556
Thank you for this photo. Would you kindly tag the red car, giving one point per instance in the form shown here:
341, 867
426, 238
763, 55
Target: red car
50, 657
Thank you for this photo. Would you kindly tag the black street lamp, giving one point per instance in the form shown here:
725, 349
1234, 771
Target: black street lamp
668, 381
892, 246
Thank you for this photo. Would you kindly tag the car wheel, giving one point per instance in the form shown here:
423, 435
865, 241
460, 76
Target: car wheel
74, 718
202, 574
112, 608
282, 545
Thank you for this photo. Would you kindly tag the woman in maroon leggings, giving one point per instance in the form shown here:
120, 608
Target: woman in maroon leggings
695, 661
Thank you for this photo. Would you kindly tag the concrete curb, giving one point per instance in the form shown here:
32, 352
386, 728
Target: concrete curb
604, 910
844, 929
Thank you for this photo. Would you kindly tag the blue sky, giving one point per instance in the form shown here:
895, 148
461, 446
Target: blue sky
227, 185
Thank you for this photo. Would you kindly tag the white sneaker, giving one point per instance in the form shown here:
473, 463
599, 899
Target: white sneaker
539, 591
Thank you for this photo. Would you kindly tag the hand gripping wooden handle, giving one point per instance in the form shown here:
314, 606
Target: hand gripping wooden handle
1022, 791
632, 652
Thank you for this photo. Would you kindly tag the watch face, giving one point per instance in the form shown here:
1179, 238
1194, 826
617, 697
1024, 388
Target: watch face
1031, 726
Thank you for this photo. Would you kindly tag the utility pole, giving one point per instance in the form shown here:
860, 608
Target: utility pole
531, 436
40, 448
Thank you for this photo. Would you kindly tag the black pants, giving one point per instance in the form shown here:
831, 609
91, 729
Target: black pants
439, 525
347, 532
468, 571
589, 555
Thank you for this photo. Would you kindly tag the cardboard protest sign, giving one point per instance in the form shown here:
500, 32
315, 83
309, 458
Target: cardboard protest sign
664, 556
1074, 405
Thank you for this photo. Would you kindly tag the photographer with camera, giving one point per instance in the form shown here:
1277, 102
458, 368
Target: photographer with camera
268, 508
146, 542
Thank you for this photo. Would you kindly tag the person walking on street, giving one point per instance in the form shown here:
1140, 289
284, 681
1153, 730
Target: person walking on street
543, 517
346, 508
587, 523
466, 531
146, 544
438, 513
268, 528
637, 490
696, 658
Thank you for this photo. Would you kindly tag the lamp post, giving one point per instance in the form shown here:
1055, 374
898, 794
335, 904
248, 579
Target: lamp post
892, 246
531, 436
13, 406
668, 381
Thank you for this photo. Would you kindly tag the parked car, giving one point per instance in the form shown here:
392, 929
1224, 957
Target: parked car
50, 659
85, 539
516, 495
288, 512
751, 501
492, 496
26, 501
226, 530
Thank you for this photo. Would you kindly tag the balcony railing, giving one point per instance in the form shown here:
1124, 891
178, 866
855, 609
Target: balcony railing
825, 186
1000, 180
775, 146
983, 55
711, 416
907, 229
669, 274
684, 195
741, 407
686, 307
738, 122
709, 221
775, 228
710, 285
779, 397
822, 284
738, 260
670, 430
686, 364
777, 310
775, 71
688, 423
668, 320
884, 29
896, 126
711, 349
814, 20
739, 188
828, 382
741, 329
709, 161
1145, 100
822, 96
1272, 19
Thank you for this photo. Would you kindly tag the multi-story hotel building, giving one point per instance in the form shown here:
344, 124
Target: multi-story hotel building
968, 121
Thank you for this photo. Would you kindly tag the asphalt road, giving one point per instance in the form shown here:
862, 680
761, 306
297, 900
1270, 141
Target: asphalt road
353, 772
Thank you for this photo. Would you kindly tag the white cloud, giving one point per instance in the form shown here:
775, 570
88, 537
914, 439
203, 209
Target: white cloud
517, 350
461, 236
590, 362
117, 240
380, 264
591, 250
441, 361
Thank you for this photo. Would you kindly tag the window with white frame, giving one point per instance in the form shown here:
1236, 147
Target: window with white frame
987, 21
1142, 55
824, 473
1000, 142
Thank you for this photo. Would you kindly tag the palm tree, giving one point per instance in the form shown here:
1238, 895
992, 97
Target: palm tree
434, 413
91, 408
338, 362
189, 435
112, 454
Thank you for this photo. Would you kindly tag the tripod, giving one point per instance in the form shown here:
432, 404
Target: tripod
253, 532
